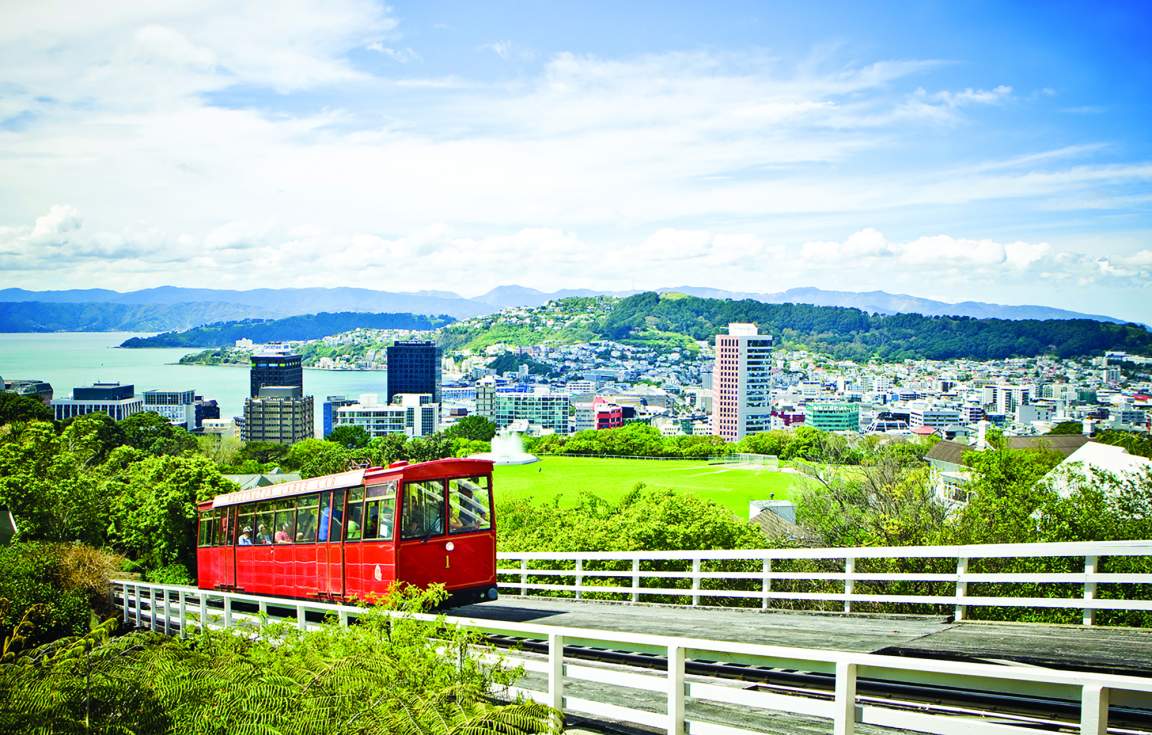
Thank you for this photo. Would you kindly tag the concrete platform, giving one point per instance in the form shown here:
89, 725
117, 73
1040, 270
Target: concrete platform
1110, 650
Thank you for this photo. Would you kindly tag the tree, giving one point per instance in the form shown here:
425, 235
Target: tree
153, 507
474, 427
154, 434
316, 457
15, 407
264, 453
1067, 427
886, 502
91, 437
350, 437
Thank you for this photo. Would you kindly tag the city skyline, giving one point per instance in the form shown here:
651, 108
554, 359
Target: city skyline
956, 153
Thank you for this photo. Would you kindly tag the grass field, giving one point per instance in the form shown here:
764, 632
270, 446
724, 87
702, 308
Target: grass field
611, 479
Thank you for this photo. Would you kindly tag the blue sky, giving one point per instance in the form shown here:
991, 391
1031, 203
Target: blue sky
983, 151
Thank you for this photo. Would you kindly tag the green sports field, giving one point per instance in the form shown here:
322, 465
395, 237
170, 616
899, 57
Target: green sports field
611, 479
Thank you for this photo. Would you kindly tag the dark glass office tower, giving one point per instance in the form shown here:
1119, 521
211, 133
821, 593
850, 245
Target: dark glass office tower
279, 370
414, 367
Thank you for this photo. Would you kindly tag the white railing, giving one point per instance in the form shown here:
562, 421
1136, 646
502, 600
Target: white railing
680, 704
644, 580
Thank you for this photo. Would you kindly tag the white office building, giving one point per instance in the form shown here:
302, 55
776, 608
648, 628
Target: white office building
412, 414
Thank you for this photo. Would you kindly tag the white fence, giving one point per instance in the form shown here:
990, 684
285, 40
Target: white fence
525, 573
680, 704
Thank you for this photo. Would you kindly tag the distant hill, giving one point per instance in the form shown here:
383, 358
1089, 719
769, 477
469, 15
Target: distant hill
284, 302
39, 316
312, 326
881, 302
856, 334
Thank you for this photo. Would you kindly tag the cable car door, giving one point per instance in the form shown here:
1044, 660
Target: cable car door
421, 554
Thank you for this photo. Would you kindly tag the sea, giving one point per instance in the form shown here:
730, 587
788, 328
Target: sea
69, 359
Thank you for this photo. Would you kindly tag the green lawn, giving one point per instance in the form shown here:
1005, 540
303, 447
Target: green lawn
611, 479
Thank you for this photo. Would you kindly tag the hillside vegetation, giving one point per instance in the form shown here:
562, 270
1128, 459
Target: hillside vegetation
310, 326
854, 334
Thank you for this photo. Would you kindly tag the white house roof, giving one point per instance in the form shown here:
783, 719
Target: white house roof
1105, 458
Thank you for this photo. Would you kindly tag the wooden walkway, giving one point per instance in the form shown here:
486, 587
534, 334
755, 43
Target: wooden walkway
1107, 650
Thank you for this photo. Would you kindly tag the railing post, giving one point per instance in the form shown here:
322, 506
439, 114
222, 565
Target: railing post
124, 599
849, 583
523, 577
767, 582
579, 578
556, 671
136, 602
343, 616
152, 608
844, 712
203, 611
1093, 710
263, 613
227, 611
675, 690
167, 611
301, 618
1089, 589
183, 614
961, 588
695, 581
636, 579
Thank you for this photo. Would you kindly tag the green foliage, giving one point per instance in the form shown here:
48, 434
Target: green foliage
152, 433
171, 574
152, 514
510, 362
350, 437
55, 587
1139, 444
385, 675
888, 501
855, 334
316, 457
1067, 427
306, 326
263, 453
646, 519
1006, 495
22, 408
475, 427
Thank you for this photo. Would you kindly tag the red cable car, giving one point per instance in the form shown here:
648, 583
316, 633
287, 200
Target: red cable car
352, 535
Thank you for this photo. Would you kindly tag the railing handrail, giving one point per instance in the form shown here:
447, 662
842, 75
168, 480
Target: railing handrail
540, 631
968, 551
1090, 691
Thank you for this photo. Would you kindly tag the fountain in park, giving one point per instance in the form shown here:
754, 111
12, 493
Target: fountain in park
507, 448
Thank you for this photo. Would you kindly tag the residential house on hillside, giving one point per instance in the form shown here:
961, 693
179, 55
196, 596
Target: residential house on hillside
1094, 457
950, 475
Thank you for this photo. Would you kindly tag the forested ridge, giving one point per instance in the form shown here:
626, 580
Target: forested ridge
309, 326
848, 333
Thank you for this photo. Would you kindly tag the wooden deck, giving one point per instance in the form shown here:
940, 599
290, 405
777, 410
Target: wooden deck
1109, 650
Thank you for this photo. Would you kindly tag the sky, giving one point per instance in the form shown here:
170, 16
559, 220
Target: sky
992, 151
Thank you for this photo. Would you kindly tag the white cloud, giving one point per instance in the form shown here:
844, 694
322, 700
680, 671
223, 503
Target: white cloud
399, 55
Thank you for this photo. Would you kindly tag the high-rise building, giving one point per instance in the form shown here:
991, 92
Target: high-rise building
178, 406
116, 400
278, 414
742, 382
414, 367
330, 405
275, 369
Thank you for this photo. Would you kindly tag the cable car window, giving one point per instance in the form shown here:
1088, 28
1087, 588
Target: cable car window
423, 509
227, 522
205, 529
380, 512
247, 522
285, 532
355, 528
265, 521
337, 530
468, 505
306, 509
325, 516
